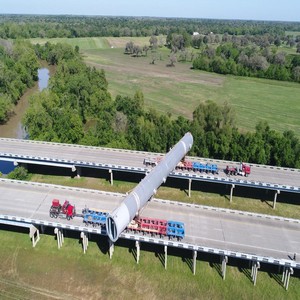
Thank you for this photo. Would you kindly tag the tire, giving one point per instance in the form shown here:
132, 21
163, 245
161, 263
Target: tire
51, 215
55, 216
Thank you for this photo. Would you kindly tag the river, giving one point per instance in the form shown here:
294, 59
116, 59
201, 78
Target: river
13, 127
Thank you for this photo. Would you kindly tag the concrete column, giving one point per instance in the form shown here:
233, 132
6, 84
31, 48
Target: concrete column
111, 176
275, 198
283, 274
34, 234
194, 262
111, 248
224, 259
85, 241
231, 192
78, 172
255, 267
137, 245
166, 256
190, 186
287, 272
59, 237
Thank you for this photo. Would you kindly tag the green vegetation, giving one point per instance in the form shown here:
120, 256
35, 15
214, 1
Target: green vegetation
232, 58
77, 108
44, 272
118, 108
19, 173
18, 71
32, 26
165, 88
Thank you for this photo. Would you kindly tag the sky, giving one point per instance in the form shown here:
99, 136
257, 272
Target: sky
274, 10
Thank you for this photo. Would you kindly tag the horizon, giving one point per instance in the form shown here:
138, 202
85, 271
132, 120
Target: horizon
255, 10
145, 16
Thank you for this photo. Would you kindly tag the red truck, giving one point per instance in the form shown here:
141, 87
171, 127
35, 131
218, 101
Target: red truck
242, 169
66, 209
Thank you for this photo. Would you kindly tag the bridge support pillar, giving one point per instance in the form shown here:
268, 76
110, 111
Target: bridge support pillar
231, 191
111, 248
287, 272
34, 234
224, 259
59, 237
190, 186
166, 256
138, 246
111, 176
85, 241
78, 169
255, 267
194, 262
275, 198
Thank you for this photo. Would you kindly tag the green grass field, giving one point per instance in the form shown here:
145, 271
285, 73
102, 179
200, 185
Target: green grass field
44, 272
180, 89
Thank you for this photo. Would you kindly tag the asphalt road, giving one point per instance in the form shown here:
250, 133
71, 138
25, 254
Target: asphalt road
259, 173
222, 229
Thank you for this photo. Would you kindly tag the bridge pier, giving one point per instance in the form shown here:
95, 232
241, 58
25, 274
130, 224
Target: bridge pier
255, 267
166, 256
78, 169
231, 192
111, 248
190, 186
287, 272
34, 234
111, 176
224, 259
194, 262
85, 241
59, 237
138, 246
275, 198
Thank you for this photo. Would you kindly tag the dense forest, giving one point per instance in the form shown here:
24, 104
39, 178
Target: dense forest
77, 108
32, 26
18, 71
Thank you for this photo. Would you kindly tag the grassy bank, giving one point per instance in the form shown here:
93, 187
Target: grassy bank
44, 272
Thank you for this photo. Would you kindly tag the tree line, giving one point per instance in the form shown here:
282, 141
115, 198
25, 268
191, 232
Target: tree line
43, 26
18, 72
230, 58
77, 108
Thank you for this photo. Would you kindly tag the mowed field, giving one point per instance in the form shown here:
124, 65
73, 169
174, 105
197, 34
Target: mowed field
45, 272
180, 89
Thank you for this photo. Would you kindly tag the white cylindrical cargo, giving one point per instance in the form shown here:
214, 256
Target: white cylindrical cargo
118, 220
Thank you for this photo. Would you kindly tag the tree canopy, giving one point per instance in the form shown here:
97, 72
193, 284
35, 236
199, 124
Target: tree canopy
77, 108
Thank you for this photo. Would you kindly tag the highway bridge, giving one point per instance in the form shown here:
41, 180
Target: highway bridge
77, 157
227, 233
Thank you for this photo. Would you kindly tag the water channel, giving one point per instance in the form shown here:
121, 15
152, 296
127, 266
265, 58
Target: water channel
13, 128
